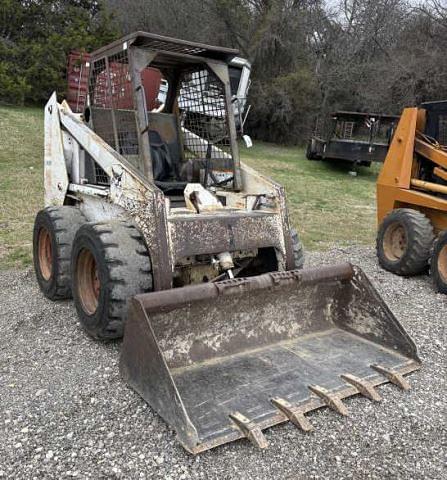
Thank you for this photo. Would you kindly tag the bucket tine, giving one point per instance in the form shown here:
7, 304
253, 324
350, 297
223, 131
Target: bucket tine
249, 429
363, 386
330, 399
293, 413
392, 376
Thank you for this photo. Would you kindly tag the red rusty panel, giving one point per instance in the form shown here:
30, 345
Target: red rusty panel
77, 79
121, 87
151, 78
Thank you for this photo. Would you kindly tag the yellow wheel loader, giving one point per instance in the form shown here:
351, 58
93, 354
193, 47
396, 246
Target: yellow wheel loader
412, 196
160, 233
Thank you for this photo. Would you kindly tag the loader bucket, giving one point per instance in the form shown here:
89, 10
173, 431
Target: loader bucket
226, 360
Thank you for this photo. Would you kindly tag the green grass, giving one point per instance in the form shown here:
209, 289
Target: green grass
327, 205
21, 182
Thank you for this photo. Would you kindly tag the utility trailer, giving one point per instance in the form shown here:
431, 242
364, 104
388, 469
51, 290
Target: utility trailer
359, 138
158, 231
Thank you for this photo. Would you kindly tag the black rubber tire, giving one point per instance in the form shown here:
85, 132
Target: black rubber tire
62, 224
310, 150
124, 270
298, 249
419, 238
438, 263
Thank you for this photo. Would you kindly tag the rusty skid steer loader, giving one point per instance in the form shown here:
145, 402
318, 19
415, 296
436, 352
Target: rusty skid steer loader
153, 224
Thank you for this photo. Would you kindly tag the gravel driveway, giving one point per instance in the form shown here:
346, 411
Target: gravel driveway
64, 411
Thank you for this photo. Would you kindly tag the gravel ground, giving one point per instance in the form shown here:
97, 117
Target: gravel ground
65, 412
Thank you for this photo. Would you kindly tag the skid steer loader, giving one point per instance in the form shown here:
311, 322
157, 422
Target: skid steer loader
412, 196
158, 231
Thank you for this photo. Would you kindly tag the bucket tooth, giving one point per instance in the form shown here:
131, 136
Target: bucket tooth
393, 376
330, 399
293, 413
249, 429
363, 386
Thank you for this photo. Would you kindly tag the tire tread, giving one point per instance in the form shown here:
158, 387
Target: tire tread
129, 273
298, 249
64, 221
415, 259
438, 282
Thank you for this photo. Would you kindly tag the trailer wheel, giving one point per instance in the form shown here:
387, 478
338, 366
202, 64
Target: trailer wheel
311, 152
110, 263
404, 242
438, 263
54, 231
298, 249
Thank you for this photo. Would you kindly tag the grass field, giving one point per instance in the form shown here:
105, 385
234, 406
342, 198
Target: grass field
21, 182
327, 205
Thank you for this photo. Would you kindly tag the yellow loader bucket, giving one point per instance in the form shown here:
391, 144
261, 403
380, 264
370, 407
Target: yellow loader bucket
226, 360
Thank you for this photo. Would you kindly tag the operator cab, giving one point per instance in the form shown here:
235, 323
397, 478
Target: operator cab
166, 106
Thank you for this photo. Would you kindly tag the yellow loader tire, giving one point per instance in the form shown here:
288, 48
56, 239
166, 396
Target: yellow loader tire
404, 242
438, 263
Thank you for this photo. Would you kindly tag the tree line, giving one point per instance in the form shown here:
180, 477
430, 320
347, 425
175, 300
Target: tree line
309, 57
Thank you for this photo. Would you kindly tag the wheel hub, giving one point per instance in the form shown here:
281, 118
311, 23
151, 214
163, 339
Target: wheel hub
395, 242
88, 281
45, 254
442, 263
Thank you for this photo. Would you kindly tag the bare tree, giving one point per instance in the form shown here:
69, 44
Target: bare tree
308, 57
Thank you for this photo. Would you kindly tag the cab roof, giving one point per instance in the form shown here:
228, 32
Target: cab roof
172, 46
